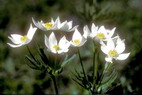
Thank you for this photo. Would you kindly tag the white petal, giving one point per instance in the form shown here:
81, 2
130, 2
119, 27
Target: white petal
111, 32
57, 22
53, 51
69, 24
120, 47
86, 31
16, 38
68, 27
31, 32
108, 59
27, 41
94, 28
102, 30
14, 46
110, 44
60, 51
14, 41
74, 28
72, 44
52, 21
65, 27
123, 56
82, 42
64, 43
66, 50
46, 41
76, 35
62, 24
104, 47
39, 25
119, 40
52, 39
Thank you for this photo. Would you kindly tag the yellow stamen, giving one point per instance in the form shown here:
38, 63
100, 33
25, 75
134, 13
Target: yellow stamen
56, 47
76, 42
113, 53
48, 25
23, 39
100, 35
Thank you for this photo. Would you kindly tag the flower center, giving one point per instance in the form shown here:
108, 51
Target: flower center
76, 42
113, 53
23, 39
48, 25
56, 47
100, 35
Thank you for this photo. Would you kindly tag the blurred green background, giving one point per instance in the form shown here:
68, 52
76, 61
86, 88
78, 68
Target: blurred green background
15, 17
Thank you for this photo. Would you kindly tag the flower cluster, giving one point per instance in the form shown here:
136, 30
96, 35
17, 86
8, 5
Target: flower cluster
55, 25
113, 47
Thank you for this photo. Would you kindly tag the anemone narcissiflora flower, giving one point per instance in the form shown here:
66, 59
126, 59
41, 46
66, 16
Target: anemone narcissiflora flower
99, 33
55, 25
20, 40
77, 39
55, 47
114, 50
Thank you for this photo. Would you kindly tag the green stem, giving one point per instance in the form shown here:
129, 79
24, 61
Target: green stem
106, 66
81, 63
95, 65
55, 84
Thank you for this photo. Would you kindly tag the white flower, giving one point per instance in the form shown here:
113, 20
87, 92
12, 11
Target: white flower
86, 32
55, 47
68, 27
99, 33
93, 31
103, 33
55, 25
114, 50
77, 39
20, 40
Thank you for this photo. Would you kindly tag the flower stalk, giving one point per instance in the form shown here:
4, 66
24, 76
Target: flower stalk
82, 66
95, 64
55, 84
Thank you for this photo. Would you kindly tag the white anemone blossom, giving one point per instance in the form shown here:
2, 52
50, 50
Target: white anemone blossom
90, 33
77, 39
57, 47
99, 33
55, 25
114, 50
20, 40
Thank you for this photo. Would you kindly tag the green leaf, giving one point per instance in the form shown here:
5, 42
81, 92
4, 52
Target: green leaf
33, 64
43, 56
108, 67
66, 60
78, 83
107, 81
31, 54
58, 71
44, 59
